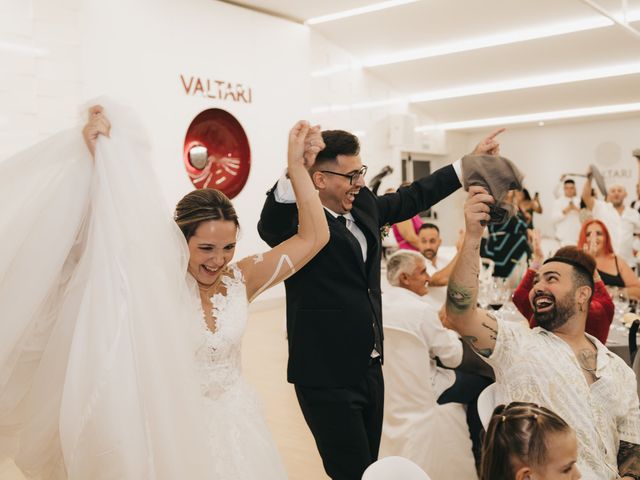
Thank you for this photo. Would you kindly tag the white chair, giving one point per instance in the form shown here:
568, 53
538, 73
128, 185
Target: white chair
435, 437
394, 468
486, 404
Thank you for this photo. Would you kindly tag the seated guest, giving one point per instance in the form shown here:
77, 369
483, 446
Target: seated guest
439, 259
403, 307
527, 441
614, 271
507, 244
556, 364
601, 309
406, 233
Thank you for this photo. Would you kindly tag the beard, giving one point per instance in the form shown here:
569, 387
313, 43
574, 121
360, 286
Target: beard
563, 309
429, 254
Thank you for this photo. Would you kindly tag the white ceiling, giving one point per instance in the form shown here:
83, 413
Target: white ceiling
428, 23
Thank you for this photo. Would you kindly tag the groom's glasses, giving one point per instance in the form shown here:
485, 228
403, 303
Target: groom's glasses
353, 176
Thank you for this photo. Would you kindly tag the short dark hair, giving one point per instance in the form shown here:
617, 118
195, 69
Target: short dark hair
581, 276
424, 226
571, 181
337, 142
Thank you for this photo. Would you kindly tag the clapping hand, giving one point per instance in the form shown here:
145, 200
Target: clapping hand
489, 145
97, 125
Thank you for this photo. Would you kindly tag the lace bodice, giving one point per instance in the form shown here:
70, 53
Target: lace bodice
218, 356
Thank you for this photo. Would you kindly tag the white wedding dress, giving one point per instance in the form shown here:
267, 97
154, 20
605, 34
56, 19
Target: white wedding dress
106, 369
246, 450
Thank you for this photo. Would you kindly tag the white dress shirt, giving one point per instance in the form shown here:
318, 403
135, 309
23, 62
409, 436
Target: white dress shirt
404, 309
535, 365
567, 225
621, 228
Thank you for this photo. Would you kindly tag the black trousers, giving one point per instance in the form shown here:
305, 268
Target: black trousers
346, 423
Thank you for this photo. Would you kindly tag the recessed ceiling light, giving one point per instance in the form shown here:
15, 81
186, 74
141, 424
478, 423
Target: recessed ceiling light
534, 117
374, 7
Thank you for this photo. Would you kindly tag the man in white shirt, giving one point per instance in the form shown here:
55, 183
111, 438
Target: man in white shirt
438, 258
557, 364
566, 214
621, 221
403, 307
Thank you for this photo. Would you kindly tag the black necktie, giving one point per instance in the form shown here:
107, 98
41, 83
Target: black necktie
377, 341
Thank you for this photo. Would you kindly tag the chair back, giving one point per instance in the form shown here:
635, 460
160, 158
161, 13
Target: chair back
633, 340
394, 468
486, 404
407, 373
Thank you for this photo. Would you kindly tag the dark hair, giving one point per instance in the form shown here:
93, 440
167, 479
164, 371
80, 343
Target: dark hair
424, 226
201, 206
337, 142
571, 181
583, 265
517, 433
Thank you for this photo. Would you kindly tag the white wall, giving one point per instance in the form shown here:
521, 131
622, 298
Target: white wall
135, 52
545, 153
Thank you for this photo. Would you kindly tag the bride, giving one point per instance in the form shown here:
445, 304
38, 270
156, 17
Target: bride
114, 362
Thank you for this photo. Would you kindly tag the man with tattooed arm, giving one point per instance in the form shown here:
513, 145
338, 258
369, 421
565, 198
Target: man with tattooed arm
556, 364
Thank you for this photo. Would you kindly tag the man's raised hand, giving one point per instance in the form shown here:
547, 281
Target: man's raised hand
476, 211
489, 145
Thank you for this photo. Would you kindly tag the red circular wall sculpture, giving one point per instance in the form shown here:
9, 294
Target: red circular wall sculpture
217, 153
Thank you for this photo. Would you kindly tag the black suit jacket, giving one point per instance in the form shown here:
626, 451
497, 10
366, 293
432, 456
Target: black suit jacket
334, 300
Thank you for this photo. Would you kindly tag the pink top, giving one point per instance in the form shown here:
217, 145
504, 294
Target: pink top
402, 243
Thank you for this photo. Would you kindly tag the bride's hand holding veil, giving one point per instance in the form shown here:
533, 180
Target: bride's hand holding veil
97, 125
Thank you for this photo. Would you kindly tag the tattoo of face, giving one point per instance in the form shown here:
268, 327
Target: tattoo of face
459, 298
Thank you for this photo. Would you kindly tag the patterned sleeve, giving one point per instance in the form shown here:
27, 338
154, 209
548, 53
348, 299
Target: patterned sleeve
629, 424
509, 342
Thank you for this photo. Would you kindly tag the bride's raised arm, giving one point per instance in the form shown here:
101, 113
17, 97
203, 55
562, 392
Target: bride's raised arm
265, 270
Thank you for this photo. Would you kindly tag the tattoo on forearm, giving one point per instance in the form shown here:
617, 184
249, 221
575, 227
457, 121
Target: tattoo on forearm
459, 298
471, 340
629, 459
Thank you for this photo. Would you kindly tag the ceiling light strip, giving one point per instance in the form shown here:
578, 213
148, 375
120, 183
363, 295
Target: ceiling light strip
375, 7
528, 82
534, 117
506, 38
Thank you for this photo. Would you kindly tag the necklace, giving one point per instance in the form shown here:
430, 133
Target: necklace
587, 361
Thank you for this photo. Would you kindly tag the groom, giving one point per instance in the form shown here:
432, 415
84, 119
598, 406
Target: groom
334, 319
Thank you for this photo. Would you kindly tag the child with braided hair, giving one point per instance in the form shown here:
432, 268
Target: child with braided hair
525, 441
